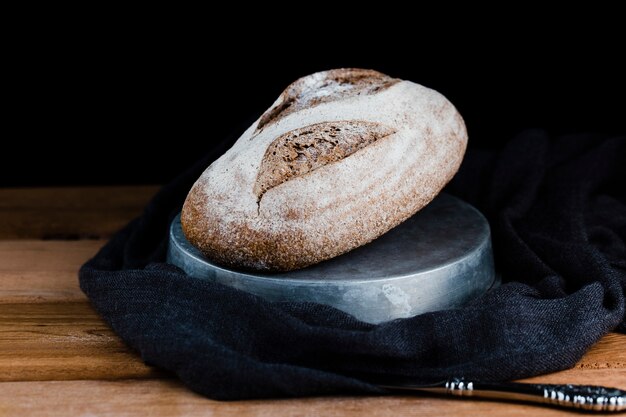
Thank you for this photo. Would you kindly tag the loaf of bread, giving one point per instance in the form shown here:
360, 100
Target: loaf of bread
340, 158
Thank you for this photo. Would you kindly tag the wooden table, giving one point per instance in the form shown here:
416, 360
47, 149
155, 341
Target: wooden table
58, 358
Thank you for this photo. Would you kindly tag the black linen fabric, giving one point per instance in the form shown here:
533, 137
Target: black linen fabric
557, 209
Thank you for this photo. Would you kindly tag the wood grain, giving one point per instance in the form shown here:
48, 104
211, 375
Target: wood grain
50, 332
58, 358
69, 213
62, 341
608, 353
67, 340
43, 271
170, 398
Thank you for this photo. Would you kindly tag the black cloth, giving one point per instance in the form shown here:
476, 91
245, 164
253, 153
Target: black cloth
557, 208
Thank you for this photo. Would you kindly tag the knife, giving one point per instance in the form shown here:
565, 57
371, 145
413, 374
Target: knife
583, 397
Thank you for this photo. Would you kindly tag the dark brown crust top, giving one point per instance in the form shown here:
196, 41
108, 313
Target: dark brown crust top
329, 86
306, 149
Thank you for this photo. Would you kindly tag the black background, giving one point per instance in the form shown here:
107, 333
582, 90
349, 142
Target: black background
139, 109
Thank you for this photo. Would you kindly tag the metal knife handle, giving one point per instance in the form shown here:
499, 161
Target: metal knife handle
584, 397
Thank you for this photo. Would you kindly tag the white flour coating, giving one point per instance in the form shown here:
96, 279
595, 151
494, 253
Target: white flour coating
348, 202
347, 181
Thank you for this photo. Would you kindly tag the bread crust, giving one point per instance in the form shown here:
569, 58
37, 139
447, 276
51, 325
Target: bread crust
294, 191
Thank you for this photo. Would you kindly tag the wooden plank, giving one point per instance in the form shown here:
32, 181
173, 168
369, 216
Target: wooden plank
43, 271
65, 341
57, 357
170, 398
611, 376
608, 353
62, 341
53, 340
69, 212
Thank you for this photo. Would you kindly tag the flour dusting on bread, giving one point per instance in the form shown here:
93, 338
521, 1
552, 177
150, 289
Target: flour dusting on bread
342, 157
324, 87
